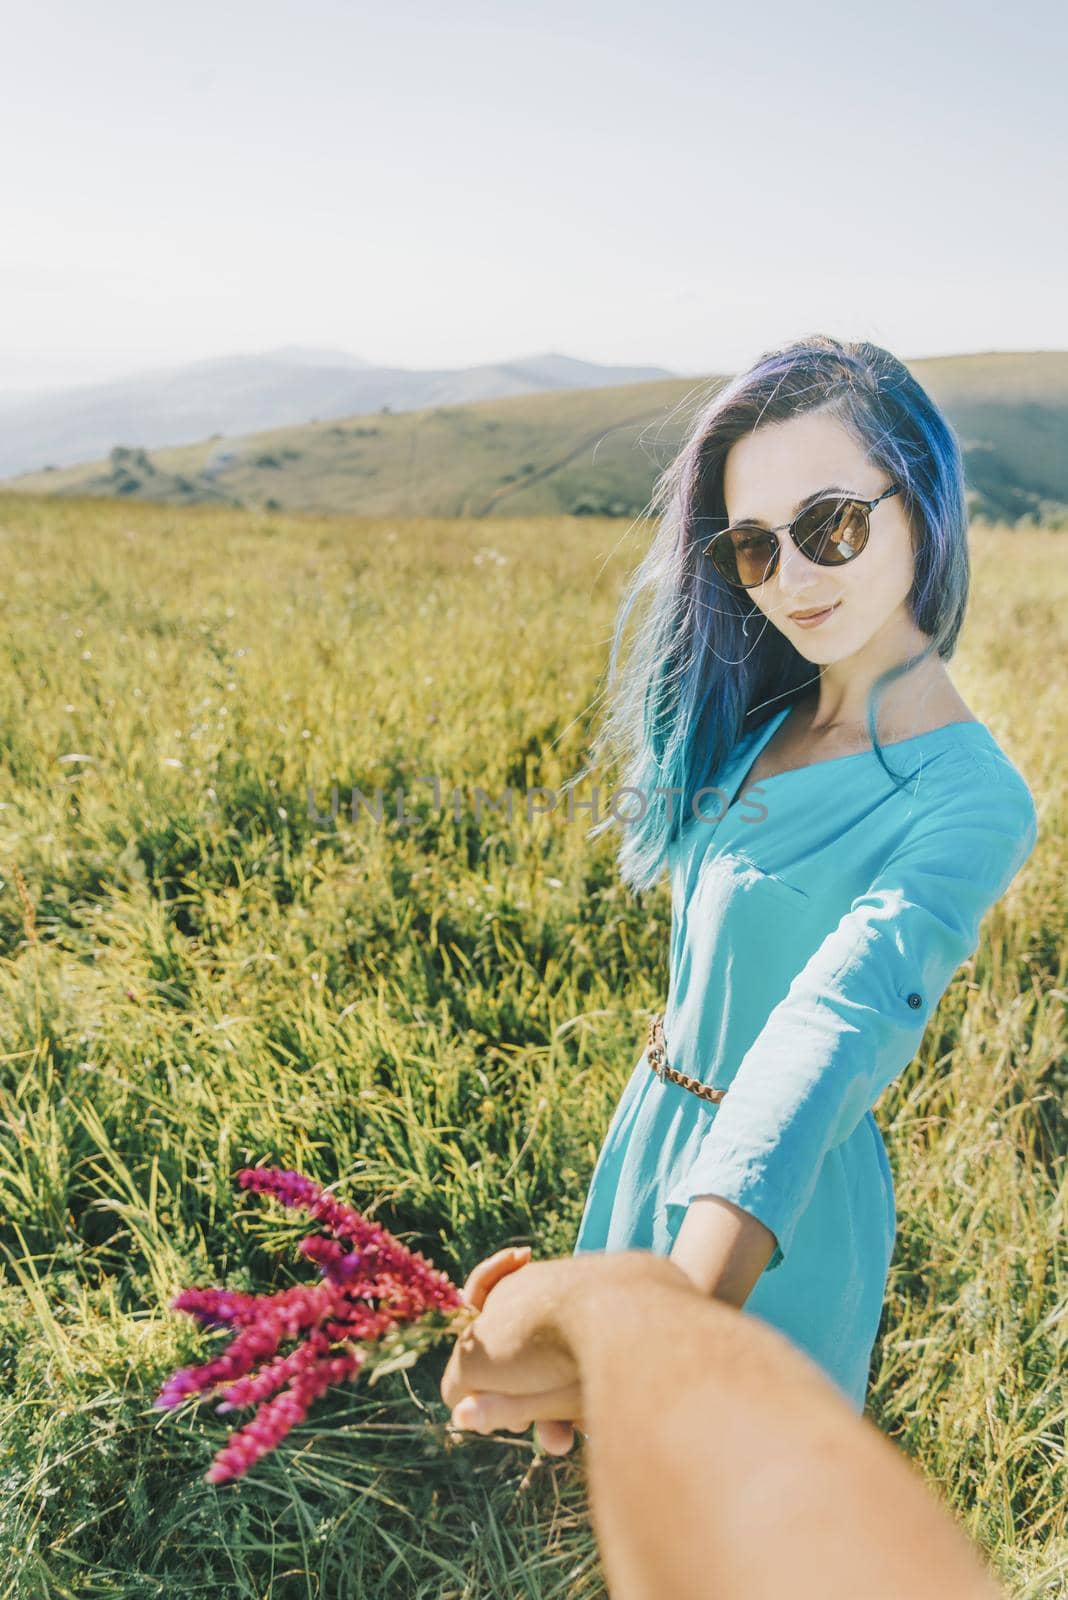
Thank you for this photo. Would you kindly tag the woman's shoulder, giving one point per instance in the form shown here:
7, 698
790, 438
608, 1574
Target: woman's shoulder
966, 770
955, 732
972, 744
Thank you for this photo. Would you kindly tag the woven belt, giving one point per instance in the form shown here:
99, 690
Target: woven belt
655, 1050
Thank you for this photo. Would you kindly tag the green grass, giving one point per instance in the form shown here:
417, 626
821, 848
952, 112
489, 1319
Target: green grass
439, 1016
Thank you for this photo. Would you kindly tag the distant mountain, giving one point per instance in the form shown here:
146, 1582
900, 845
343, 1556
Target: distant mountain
588, 450
233, 395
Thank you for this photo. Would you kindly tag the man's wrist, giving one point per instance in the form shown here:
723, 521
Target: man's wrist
612, 1289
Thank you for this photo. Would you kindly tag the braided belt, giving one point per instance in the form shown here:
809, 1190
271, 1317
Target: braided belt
655, 1048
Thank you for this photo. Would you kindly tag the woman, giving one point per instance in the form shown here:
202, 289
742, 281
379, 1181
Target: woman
834, 820
835, 823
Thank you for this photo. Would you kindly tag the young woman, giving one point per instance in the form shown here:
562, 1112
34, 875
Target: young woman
834, 820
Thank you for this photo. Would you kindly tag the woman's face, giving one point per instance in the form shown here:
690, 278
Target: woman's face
766, 477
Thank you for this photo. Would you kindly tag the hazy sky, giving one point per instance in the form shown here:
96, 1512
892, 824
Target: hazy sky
424, 184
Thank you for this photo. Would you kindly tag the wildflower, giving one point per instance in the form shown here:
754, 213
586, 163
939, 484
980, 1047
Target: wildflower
370, 1284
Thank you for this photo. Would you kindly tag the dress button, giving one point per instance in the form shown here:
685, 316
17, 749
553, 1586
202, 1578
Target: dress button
915, 1001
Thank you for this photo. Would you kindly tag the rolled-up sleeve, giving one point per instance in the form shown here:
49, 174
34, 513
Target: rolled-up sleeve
855, 1015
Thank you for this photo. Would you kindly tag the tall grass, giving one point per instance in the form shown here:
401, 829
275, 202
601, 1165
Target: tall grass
199, 972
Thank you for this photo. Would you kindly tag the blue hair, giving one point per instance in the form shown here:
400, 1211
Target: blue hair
694, 684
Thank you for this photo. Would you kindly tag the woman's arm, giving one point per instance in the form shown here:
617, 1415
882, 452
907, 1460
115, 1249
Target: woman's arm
722, 1249
855, 1015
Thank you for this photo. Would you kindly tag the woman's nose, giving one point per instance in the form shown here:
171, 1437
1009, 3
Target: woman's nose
796, 572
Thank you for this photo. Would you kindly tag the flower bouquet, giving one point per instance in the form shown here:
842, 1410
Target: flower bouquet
372, 1287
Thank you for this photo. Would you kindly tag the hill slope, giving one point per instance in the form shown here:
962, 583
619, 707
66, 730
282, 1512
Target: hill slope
589, 450
245, 393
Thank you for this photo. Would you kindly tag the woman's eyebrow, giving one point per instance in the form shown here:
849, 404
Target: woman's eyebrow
817, 494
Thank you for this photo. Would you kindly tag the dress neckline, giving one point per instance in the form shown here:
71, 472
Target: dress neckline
766, 731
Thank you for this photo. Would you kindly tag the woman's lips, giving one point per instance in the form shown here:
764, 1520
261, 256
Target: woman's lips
818, 617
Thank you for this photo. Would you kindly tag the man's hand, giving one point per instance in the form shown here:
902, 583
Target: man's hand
510, 1368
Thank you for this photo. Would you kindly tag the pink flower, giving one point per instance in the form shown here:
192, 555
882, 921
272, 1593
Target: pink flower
370, 1284
379, 1249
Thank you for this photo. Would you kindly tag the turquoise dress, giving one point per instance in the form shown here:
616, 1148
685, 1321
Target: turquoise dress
814, 928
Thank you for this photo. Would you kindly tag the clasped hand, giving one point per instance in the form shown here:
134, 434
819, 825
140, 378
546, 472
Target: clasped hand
508, 1368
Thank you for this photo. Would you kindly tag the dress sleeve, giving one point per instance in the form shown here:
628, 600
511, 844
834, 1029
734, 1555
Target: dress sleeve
855, 1015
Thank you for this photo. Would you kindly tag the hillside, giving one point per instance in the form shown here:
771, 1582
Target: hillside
241, 394
589, 450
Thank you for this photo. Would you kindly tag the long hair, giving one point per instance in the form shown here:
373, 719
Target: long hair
694, 683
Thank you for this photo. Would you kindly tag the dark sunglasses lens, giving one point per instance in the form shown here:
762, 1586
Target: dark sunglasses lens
832, 532
744, 555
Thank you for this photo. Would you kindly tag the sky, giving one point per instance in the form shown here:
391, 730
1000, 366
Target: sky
424, 185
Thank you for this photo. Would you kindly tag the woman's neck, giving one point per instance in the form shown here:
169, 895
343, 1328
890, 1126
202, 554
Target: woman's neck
837, 708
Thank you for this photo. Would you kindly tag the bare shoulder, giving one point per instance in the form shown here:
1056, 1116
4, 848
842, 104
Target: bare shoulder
932, 709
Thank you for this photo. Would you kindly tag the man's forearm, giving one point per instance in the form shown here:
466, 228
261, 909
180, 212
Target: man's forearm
722, 1249
722, 1463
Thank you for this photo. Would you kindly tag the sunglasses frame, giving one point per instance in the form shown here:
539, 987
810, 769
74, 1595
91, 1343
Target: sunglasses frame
868, 506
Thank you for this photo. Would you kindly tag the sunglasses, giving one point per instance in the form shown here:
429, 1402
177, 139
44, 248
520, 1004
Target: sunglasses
832, 531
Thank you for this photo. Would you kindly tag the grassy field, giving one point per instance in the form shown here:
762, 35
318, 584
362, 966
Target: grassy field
439, 1015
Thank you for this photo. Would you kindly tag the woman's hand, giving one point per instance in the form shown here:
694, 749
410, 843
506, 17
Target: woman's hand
500, 1374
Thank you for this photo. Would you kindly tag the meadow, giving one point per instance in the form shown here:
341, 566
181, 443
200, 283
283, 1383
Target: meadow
199, 971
